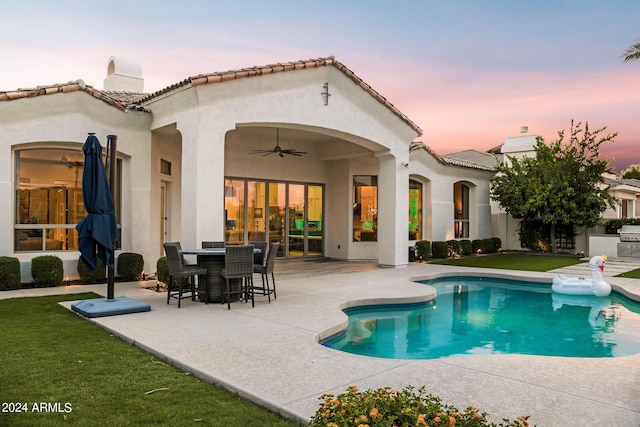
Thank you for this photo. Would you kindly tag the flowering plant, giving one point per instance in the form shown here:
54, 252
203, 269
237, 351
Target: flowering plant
386, 407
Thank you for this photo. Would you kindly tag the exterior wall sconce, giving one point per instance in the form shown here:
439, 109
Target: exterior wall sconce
325, 93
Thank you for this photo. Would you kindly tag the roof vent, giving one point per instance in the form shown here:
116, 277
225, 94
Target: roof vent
524, 129
123, 76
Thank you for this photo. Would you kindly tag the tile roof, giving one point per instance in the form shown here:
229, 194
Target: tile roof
220, 77
115, 99
450, 160
138, 101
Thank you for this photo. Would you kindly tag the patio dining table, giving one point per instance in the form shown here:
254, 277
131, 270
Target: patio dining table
213, 260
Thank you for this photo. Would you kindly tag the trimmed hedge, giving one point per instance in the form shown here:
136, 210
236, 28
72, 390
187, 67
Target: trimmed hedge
454, 246
465, 247
162, 270
440, 249
87, 275
423, 249
9, 273
130, 266
47, 270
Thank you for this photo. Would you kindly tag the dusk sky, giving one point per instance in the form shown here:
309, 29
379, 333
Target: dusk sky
469, 73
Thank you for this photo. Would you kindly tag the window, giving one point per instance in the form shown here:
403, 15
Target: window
165, 167
48, 199
415, 210
461, 210
365, 208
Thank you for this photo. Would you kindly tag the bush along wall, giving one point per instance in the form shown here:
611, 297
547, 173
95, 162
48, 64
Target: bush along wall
130, 266
162, 270
91, 276
454, 246
9, 273
440, 249
423, 249
47, 271
465, 247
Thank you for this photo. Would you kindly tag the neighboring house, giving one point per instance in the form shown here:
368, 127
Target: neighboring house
627, 191
192, 166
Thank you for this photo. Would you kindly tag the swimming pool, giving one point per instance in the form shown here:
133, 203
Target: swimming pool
483, 315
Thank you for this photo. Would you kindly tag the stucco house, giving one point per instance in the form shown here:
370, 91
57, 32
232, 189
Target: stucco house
303, 152
585, 240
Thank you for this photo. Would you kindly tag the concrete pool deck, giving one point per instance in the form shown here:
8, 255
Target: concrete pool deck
270, 354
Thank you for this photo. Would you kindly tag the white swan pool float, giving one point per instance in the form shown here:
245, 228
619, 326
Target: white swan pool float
581, 286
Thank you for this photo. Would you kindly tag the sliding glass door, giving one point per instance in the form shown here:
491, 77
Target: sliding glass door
289, 213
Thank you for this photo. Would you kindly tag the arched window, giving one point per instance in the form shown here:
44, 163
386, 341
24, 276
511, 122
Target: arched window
415, 210
461, 210
48, 199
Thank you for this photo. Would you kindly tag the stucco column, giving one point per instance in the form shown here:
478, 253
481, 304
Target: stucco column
393, 211
202, 213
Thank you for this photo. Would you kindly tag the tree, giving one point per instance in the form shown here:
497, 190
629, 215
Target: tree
632, 53
561, 185
632, 172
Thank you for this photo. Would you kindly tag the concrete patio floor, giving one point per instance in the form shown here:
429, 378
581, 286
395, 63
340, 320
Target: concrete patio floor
270, 354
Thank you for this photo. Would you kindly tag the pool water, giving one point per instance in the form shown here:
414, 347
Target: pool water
480, 315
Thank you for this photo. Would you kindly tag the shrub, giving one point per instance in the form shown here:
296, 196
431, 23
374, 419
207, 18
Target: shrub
476, 245
162, 270
612, 226
440, 249
487, 246
465, 247
87, 275
454, 246
9, 273
423, 249
388, 407
130, 266
496, 243
47, 270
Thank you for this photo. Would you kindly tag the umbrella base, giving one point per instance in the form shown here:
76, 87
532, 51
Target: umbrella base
101, 307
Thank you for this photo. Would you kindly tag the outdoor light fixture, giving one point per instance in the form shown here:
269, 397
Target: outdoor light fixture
325, 93
64, 159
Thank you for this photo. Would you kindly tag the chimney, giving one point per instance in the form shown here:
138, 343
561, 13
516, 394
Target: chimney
123, 76
524, 129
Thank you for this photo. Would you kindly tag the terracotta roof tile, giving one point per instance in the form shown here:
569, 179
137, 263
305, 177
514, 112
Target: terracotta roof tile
448, 160
134, 101
219, 77
111, 98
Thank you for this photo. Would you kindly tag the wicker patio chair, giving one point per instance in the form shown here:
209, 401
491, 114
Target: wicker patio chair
182, 273
258, 259
265, 270
238, 264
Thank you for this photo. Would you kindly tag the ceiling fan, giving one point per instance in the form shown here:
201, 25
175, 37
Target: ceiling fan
278, 150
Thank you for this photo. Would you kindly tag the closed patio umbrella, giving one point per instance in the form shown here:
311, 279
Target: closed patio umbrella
98, 230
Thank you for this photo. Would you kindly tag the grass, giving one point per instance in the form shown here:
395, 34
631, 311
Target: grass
528, 262
633, 274
50, 355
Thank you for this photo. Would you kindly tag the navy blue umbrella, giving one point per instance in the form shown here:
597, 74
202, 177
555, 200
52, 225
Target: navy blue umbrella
98, 230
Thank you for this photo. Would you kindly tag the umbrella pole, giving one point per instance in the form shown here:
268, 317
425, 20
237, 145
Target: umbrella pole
112, 142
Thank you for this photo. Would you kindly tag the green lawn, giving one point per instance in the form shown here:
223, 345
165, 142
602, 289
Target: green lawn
86, 377
529, 262
633, 274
